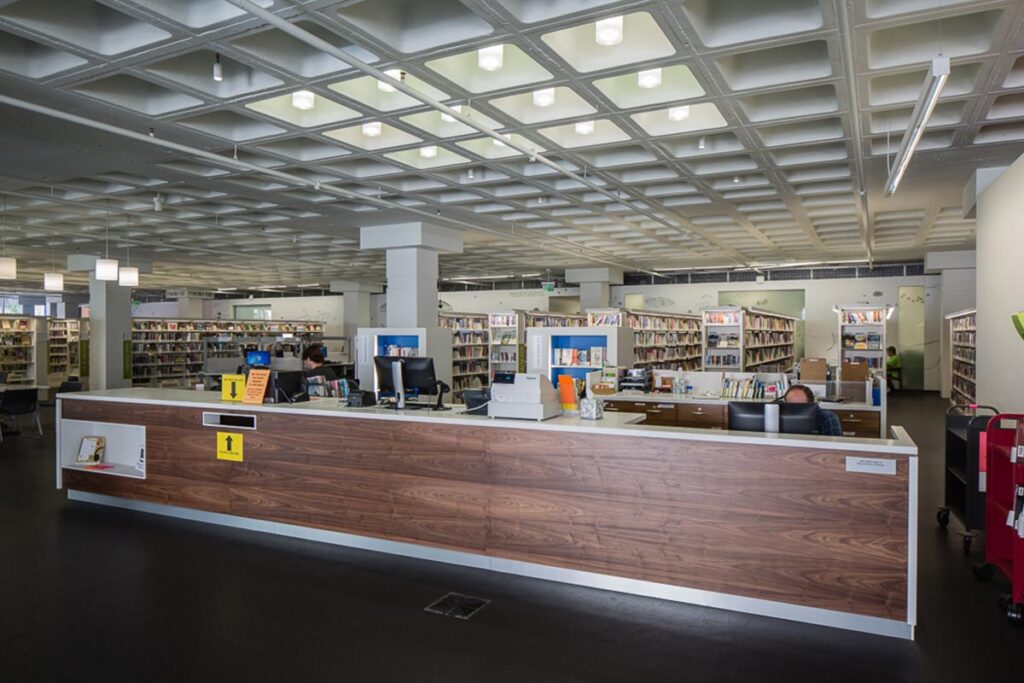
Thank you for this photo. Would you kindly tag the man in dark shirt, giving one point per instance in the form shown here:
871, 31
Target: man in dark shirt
828, 423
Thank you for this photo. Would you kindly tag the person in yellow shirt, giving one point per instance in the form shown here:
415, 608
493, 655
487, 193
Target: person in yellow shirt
893, 368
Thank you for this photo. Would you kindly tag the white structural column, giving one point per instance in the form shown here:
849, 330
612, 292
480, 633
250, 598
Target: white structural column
355, 312
412, 251
957, 292
1000, 279
595, 285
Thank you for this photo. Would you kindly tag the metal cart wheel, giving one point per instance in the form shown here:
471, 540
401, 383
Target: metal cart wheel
968, 537
942, 517
1015, 615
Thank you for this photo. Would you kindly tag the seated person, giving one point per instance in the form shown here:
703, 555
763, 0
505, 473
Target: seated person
320, 379
828, 423
893, 367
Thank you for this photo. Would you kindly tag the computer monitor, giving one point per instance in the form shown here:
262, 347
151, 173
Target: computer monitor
418, 377
385, 382
794, 418
290, 386
257, 359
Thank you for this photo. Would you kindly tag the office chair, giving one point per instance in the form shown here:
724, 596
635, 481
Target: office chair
18, 402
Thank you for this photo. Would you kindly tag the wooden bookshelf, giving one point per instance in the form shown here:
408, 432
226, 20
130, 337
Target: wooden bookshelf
862, 335
507, 337
738, 339
18, 349
169, 352
962, 356
547, 319
470, 345
63, 350
665, 341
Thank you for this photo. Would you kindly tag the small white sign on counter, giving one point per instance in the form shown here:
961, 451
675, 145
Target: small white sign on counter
870, 465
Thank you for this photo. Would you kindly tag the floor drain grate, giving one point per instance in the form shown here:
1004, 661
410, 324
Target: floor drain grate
457, 605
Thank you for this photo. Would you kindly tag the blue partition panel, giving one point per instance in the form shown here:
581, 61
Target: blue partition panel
401, 340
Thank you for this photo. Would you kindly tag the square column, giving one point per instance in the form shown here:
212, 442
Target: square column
355, 312
110, 324
595, 285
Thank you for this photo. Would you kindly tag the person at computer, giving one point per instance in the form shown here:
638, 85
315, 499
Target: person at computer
321, 380
828, 422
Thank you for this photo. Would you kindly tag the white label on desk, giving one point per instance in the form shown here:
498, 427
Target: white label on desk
870, 465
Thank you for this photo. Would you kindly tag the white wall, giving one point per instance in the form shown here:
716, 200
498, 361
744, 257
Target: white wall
958, 293
156, 309
502, 300
313, 308
1000, 249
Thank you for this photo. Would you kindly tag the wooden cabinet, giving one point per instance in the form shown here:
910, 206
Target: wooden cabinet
701, 415
621, 406
670, 414
661, 414
860, 423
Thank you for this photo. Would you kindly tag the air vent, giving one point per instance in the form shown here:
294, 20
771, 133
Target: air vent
881, 271
743, 276
915, 269
636, 279
709, 277
790, 274
834, 273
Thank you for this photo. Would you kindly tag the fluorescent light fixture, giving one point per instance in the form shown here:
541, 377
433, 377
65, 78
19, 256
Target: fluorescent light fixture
309, 284
218, 70
428, 152
128, 276
608, 31
8, 268
227, 289
491, 58
106, 269
544, 97
680, 113
584, 128
387, 87
448, 118
932, 88
372, 129
649, 78
303, 99
158, 203
53, 282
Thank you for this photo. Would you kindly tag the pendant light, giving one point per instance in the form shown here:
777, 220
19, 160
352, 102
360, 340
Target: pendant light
106, 267
8, 265
53, 281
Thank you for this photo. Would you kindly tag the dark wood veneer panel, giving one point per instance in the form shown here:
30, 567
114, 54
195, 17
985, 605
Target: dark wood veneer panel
767, 522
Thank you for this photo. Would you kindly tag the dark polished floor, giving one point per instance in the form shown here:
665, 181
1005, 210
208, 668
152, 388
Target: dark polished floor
89, 593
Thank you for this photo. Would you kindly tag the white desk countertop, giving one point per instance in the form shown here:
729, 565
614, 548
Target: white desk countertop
668, 397
619, 424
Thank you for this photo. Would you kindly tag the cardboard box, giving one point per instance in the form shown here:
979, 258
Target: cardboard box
813, 369
853, 372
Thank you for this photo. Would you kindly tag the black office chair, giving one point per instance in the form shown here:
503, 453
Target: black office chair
18, 402
67, 386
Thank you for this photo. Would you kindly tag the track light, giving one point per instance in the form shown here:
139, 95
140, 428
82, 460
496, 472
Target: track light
680, 113
372, 129
608, 31
396, 74
584, 128
491, 58
649, 78
158, 203
428, 152
303, 99
448, 118
218, 71
938, 74
544, 97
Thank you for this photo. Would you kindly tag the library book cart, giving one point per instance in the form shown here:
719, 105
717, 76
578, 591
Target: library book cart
964, 469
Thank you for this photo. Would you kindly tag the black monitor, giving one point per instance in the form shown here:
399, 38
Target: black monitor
385, 382
418, 377
794, 418
290, 386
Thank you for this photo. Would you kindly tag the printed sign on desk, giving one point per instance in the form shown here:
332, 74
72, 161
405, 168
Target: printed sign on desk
232, 387
256, 386
229, 446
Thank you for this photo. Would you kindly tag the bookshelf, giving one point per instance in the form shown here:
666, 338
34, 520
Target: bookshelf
169, 352
435, 342
576, 352
548, 319
723, 338
470, 350
664, 341
507, 336
962, 353
738, 339
18, 349
63, 351
862, 335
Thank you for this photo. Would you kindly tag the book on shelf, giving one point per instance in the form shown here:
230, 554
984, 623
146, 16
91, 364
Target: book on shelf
90, 450
868, 316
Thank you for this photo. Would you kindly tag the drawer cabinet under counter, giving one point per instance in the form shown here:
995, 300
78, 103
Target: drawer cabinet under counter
866, 424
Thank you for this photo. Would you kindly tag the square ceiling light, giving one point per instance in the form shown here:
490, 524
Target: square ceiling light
230, 126
414, 25
282, 50
138, 95
365, 90
489, 148
642, 41
323, 112
194, 70
85, 24
433, 122
33, 60
685, 118
383, 137
939, 139
566, 104
418, 159
516, 69
776, 66
677, 83
570, 135
816, 154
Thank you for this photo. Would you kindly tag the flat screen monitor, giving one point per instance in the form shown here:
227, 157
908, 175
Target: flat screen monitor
746, 416
418, 376
257, 359
385, 382
798, 418
290, 386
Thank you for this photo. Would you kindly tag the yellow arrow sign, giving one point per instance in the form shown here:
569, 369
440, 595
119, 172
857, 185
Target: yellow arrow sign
229, 446
232, 387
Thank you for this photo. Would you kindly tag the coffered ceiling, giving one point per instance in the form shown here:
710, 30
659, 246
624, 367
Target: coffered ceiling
756, 128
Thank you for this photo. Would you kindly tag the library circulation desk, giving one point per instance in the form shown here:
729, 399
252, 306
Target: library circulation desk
814, 529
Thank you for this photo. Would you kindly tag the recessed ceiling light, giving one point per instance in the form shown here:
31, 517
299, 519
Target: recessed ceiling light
372, 129
396, 74
470, 174
680, 113
736, 179
649, 78
584, 127
218, 71
448, 118
158, 202
544, 97
303, 99
702, 142
428, 152
608, 31
491, 58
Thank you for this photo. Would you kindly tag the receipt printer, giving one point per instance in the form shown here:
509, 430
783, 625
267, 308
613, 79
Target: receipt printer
523, 396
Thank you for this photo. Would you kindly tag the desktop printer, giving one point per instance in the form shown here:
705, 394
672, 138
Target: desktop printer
523, 396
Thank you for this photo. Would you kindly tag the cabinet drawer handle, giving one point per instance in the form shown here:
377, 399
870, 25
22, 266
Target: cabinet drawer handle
651, 410
849, 421
665, 405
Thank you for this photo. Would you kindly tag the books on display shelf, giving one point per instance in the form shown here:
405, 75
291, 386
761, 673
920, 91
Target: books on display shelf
663, 341
593, 357
748, 339
962, 355
547, 319
17, 349
470, 343
862, 335
753, 388
507, 336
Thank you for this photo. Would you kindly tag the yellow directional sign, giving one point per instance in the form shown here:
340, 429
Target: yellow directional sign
229, 446
232, 387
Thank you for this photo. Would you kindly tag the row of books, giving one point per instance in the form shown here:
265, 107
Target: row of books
648, 338
769, 354
15, 324
503, 320
965, 353
665, 354
649, 321
542, 320
964, 323
722, 317
469, 352
15, 340
472, 367
863, 316
964, 338
753, 388
862, 341
722, 360
764, 338
504, 339
964, 369
504, 357
464, 322
873, 362
769, 322
403, 351
225, 326
592, 357
722, 340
